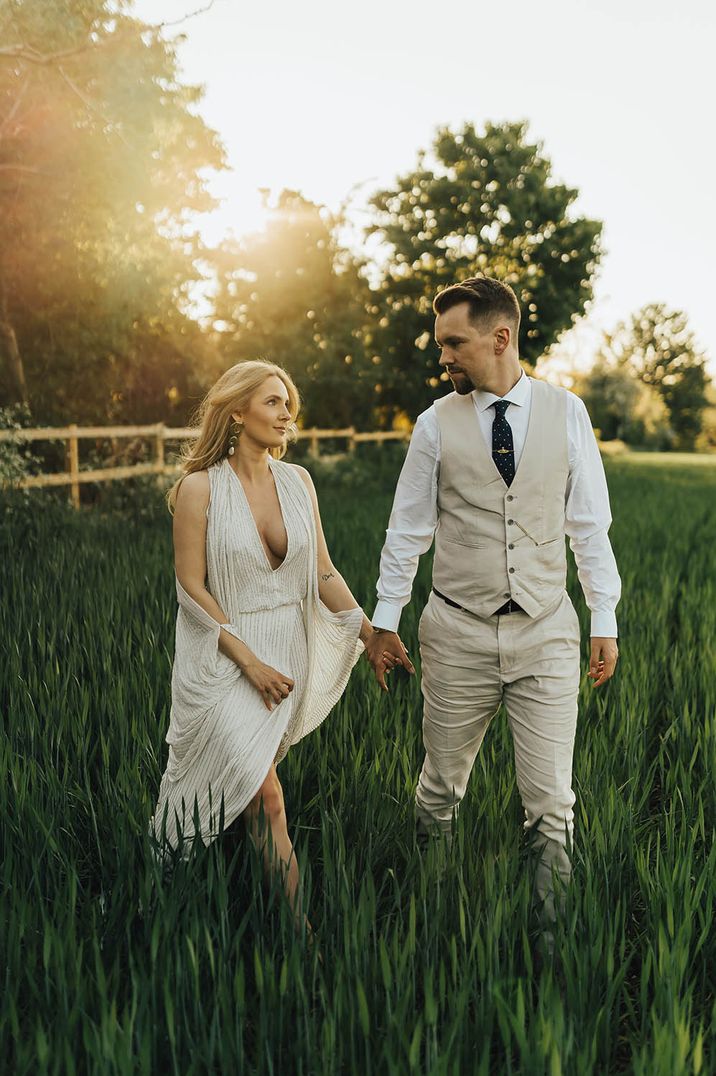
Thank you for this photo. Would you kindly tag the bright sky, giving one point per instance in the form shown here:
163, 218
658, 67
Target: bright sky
322, 95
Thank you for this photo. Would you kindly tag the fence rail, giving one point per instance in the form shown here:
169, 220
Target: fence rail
159, 434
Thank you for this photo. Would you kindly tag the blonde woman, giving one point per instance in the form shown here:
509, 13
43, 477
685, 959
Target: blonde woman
267, 630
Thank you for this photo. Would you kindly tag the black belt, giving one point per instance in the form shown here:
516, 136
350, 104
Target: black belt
510, 606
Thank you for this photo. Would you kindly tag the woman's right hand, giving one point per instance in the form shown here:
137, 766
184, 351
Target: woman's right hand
272, 686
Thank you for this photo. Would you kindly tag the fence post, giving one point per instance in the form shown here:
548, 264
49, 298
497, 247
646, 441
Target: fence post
159, 449
313, 447
351, 439
73, 464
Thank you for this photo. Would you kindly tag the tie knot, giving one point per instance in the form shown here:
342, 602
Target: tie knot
500, 407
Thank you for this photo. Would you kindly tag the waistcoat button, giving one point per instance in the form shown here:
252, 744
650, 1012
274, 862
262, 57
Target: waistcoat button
510, 497
510, 522
511, 545
512, 570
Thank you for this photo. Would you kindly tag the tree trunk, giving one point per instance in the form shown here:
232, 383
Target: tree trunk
7, 335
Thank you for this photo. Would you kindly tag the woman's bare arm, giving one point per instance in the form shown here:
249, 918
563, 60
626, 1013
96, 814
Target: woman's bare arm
190, 558
332, 587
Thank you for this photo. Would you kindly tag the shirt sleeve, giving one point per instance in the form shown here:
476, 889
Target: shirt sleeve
587, 521
412, 523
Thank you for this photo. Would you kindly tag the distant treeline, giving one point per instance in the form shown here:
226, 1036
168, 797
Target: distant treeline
103, 160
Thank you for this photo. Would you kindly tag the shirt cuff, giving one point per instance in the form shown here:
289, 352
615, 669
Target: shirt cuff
387, 615
604, 624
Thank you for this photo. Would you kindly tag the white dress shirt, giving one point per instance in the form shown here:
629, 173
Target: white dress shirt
587, 516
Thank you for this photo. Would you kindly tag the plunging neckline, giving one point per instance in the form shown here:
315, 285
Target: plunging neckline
253, 518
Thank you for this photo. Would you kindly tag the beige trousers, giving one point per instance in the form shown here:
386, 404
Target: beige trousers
470, 666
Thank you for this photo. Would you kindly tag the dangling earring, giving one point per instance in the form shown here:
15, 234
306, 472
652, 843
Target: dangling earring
236, 428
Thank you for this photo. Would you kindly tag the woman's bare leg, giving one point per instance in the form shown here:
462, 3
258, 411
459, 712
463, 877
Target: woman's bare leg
265, 812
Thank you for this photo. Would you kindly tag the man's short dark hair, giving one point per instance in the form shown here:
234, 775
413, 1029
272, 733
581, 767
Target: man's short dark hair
488, 299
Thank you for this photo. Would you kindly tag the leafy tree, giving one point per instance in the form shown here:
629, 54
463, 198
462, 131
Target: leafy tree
706, 441
484, 203
657, 347
610, 394
101, 159
290, 294
623, 408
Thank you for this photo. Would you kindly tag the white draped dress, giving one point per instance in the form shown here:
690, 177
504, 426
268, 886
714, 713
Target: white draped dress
222, 739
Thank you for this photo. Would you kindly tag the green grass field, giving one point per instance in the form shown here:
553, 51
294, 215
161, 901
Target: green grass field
110, 968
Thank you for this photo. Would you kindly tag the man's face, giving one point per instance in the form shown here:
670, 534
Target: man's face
467, 351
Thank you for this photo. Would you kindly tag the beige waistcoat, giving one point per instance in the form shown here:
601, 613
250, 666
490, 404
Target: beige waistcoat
493, 542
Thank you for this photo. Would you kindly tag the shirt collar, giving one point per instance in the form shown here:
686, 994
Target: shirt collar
519, 394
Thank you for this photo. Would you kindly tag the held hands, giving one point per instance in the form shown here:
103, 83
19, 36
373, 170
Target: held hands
603, 659
385, 650
272, 686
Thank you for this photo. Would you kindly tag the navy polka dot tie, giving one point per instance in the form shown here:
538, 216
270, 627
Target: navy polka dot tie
503, 451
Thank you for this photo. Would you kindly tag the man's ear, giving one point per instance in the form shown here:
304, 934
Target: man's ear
502, 339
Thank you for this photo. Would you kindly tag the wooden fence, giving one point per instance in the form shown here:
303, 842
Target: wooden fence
158, 434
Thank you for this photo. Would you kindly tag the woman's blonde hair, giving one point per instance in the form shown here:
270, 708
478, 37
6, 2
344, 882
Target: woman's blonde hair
232, 392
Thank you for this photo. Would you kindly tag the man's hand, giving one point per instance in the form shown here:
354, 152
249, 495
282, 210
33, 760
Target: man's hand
384, 651
603, 659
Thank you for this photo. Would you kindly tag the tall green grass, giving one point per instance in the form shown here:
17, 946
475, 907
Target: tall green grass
110, 967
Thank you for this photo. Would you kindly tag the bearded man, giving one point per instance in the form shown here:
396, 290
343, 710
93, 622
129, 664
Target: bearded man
498, 472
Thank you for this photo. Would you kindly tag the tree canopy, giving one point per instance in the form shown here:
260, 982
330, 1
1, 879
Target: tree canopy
658, 349
624, 408
101, 169
291, 295
479, 203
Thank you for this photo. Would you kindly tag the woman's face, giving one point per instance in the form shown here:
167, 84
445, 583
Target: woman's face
267, 417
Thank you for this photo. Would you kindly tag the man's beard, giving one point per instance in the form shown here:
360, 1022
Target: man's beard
461, 383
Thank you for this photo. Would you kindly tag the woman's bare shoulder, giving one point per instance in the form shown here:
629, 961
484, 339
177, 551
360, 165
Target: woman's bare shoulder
299, 471
195, 490
304, 475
